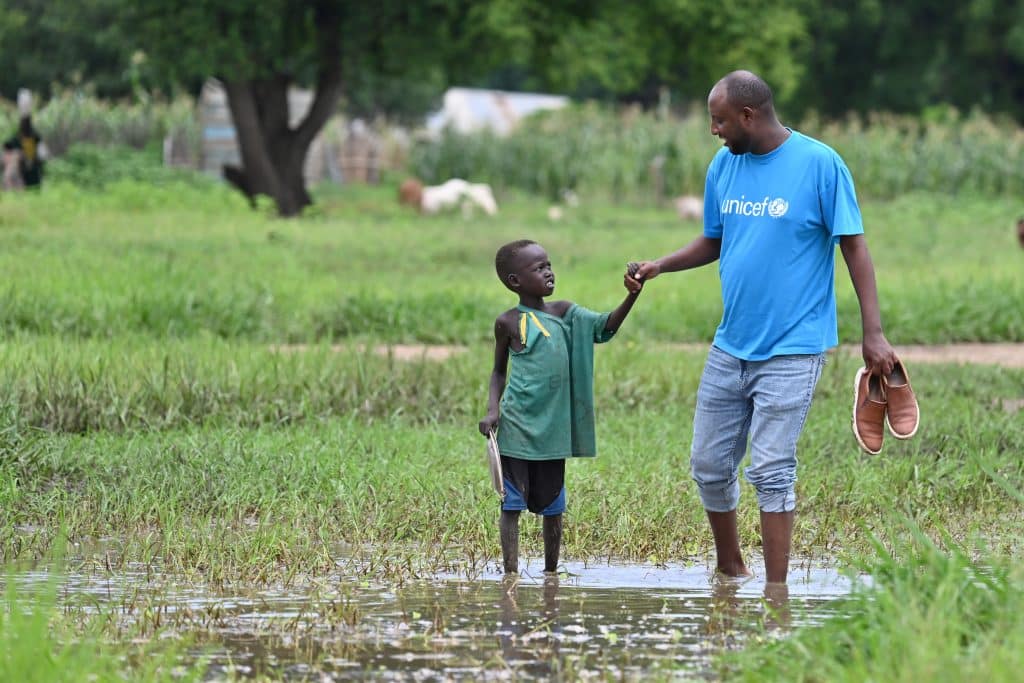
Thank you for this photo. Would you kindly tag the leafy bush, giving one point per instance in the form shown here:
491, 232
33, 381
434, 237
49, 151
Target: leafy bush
90, 165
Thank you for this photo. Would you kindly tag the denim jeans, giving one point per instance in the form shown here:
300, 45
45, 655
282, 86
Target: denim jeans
765, 400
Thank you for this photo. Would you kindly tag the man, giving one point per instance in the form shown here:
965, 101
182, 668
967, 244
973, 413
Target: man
775, 204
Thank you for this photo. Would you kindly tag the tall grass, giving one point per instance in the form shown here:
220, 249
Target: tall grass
53, 385
75, 116
954, 154
588, 149
599, 152
930, 613
323, 450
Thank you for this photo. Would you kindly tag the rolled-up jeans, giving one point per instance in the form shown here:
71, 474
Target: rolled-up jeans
766, 401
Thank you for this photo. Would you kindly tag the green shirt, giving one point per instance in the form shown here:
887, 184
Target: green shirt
547, 409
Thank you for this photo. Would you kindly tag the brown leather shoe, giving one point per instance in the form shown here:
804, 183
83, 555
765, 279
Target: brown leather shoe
869, 411
903, 415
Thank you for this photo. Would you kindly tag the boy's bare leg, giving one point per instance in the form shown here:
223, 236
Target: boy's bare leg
508, 526
552, 542
776, 538
727, 543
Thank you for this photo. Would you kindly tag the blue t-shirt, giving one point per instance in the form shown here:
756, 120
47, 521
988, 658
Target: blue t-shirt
779, 216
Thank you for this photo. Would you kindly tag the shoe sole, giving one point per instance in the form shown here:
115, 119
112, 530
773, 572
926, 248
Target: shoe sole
856, 400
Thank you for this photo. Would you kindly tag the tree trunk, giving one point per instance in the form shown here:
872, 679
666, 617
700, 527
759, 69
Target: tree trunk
273, 152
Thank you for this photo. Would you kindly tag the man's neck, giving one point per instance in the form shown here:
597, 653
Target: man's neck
773, 139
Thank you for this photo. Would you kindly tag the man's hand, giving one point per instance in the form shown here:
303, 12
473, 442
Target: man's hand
646, 270
879, 356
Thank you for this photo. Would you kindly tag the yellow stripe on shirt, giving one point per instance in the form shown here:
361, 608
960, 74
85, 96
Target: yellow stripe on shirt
522, 328
537, 322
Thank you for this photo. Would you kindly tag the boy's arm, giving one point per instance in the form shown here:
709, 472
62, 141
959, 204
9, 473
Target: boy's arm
618, 316
879, 355
498, 376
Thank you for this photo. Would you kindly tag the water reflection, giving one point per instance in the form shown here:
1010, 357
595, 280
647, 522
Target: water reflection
530, 642
621, 621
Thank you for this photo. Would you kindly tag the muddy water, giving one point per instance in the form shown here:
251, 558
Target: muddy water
603, 620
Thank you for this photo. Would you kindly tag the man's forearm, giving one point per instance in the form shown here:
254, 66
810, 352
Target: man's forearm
862, 274
699, 252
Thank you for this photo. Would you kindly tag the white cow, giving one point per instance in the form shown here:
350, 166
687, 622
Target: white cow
451, 194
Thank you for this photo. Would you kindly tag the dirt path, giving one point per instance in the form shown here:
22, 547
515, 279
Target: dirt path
1004, 355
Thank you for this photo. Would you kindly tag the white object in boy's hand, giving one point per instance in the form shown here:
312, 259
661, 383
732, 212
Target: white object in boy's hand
494, 462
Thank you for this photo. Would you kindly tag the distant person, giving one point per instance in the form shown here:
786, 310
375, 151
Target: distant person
27, 144
776, 202
543, 410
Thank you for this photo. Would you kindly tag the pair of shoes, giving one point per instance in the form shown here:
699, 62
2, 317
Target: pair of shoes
883, 400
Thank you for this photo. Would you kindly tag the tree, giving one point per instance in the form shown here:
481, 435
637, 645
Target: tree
258, 50
871, 55
364, 48
621, 50
63, 42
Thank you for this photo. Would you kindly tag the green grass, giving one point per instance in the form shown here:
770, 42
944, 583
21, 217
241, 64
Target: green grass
935, 614
179, 261
324, 448
142, 401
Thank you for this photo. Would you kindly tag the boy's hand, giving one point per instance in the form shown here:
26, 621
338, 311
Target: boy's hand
489, 424
633, 283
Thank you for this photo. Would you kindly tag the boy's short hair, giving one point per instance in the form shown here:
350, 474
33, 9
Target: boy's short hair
505, 258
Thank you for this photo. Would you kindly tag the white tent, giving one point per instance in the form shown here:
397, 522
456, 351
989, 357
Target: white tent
467, 110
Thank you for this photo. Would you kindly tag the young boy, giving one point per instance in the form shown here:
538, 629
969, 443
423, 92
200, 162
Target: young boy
546, 412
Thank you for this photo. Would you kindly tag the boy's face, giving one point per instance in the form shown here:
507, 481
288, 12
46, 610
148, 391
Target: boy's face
533, 275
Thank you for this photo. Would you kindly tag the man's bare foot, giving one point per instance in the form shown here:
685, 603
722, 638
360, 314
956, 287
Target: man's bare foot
735, 570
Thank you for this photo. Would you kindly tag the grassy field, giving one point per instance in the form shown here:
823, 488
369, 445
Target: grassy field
180, 261
144, 398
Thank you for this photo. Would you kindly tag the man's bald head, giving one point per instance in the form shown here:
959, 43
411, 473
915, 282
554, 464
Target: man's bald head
746, 89
743, 114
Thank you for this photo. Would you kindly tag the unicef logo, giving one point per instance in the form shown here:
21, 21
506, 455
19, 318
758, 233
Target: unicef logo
778, 207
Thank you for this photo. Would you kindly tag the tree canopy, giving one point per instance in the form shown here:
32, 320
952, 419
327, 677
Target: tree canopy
397, 56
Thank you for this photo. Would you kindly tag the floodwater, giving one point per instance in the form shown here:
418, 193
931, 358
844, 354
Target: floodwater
593, 621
